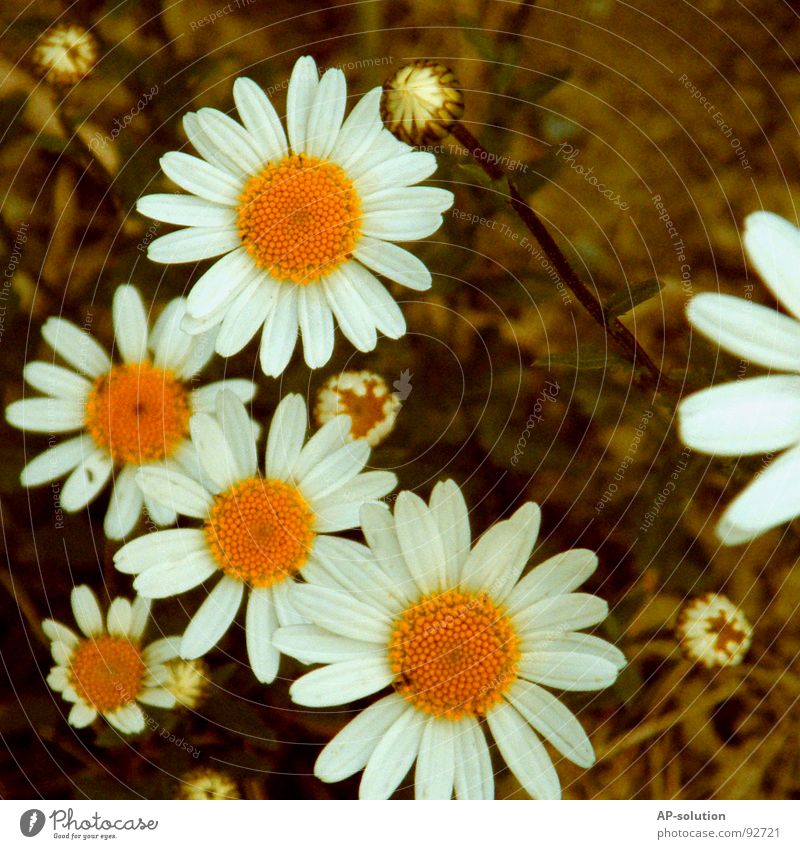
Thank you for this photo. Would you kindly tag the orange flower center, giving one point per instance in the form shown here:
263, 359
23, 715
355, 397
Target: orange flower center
454, 654
299, 218
260, 531
107, 672
367, 410
138, 412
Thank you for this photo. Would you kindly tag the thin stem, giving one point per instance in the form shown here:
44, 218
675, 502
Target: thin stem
611, 325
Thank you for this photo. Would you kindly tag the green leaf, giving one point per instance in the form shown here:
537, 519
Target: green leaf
638, 293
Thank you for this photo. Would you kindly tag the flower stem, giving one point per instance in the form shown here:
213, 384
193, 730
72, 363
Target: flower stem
611, 325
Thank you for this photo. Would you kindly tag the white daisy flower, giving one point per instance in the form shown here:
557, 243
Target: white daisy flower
107, 671
757, 415
460, 639
365, 397
65, 54
714, 632
134, 414
259, 531
301, 224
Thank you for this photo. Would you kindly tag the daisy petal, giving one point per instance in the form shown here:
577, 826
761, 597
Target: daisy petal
332, 436
341, 613
218, 460
56, 381
325, 116
246, 314
213, 618
125, 506
157, 697
46, 415
170, 577
56, 461
261, 623
360, 129
286, 434
140, 616
76, 347
335, 472
260, 118
420, 542
130, 324
82, 715
236, 426
176, 491
569, 612
339, 683
450, 513
568, 670
199, 178
382, 307
186, 210
192, 244
145, 551
392, 758
474, 775
86, 611
350, 311
118, 618
578, 643
128, 719
559, 575
55, 631
280, 333
316, 326
226, 134
393, 262
435, 771
310, 644
86, 481
299, 100
773, 245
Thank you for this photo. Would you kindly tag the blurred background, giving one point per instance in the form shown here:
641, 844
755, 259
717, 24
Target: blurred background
643, 134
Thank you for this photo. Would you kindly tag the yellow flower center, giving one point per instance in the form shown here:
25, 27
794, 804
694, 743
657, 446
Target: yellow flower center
299, 218
138, 412
260, 531
454, 654
106, 672
367, 410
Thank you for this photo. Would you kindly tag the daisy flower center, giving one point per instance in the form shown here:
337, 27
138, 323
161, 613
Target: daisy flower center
260, 531
454, 654
138, 413
299, 218
366, 411
106, 672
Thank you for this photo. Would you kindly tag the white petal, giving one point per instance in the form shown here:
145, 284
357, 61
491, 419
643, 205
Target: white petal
86, 611
382, 307
325, 116
409, 201
332, 436
225, 134
282, 599
82, 715
56, 631
335, 471
128, 719
176, 491
359, 131
125, 506
83, 485
559, 575
191, 244
299, 100
56, 461
553, 720
342, 613
575, 642
754, 332
46, 415
213, 618
311, 644
474, 777
198, 177
773, 245
497, 561
204, 398
339, 683
215, 454
58, 679
130, 324
286, 434
237, 427
753, 416
186, 210
316, 325
169, 343
145, 551
400, 227
157, 697
246, 314
56, 381
403, 169
167, 578
435, 771
524, 753
76, 346
161, 651
260, 625
351, 748
420, 542
212, 149
341, 508
260, 118
350, 311
568, 670
378, 526
393, 262
771, 499
118, 618
393, 756
280, 333
140, 616
452, 518
569, 612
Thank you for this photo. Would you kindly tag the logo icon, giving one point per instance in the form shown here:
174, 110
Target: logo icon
403, 386
31, 822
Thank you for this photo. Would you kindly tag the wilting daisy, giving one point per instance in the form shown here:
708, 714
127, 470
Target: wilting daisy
758, 415
301, 223
459, 638
713, 631
107, 671
134, 414
65, 54
259, 531
365, 397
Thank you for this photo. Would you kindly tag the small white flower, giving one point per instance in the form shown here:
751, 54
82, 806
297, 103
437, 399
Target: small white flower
134, 414
757, 415
714, 631
65, 54
106, 671
365, 397
258, 531
460, 638
421, 102
301, 223
207, 784
189, 681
